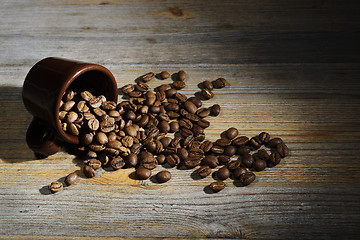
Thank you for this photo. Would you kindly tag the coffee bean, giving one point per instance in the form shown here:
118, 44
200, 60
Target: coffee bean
135, 94
108, 105
259, 165
87, 138
255, 142
71, 178
223, 173
147, 77
62, 115
163, 176
274, 159
264, 137
196, 129
180, 97
203, 112
223, 159
238, 172
282, 149
211, 161
220, 83
217, 186
190, 107
171, 92
231, 133
263, 154
215, 110
247, 178
89, 172
94, 163
195, 145
217, 149
114, 144
185, 123
131, 131
164, 87
274, 142
207, 94
142, 87
230, 150
173, 160
117, 163
181, 75
174, 127
203, 123
196, 152
149, 162
91, 154
243, 150
95, 102
93, 124
136, 147
247, 160
88, 116
127, 141
196, 101
182, 153
72, 129
55, 187
128, 88
164, 126
240, 141
232, 165
192, 162
173, 114
161, 159
142, 173
206, 146
223, 142
179, 84
204, 171
207, 85
101, 138
99, 112
164, 75
68, 106
131, 160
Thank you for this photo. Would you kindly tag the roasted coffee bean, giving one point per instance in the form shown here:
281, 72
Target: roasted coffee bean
101, 138
207, 85
99, 112
144, 110
282, 149
203, 112
131, 131
142, 87
223, 142
128, 88
230, 150
71, 178
220, 83
68, 106
117, 163
143, 121
215, 110
203, 123
264, 137
163, 176
190, 106
232, 165
243, 150
217, 149
174, 127
154, 109
247, 160
64, 127
82, 107
223, 159
238, 172
247, 178
149, 162
88, 116
262, 154
62, 115
145, 154
158, 147
196, 152
164, 75
259, 165
179, 85
136, 147
204, 171
231, 133
185, 123
72, 129
170, 150
187, 141
170, 92
161, 159
94, 163
173, 160
164, 87
194, 145
89, 172
164, 126
127, 141
87, 138
152, 132
196, 101
111, 136
93, 124
255, 142
196, 129
180, 97
173, 114
182, 153
69, 95
91, 154
240, 141
211, 161
142, 173
86, 95
181, 75
95, 102
150, 98
206, 146
274, 159
55, 187
223, 173
274, 142
172, 107
106, 126
192, 162
207, 94
192, 117
147, 77
165, 141
135, 94
114, 114
175, 142
108, 105
114, 144
151, 146
129, 115
131, 160
217, 186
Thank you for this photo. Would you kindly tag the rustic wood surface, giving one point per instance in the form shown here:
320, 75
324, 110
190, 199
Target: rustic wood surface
293, 69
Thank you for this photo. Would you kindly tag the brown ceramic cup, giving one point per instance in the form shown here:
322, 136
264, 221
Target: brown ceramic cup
43, 89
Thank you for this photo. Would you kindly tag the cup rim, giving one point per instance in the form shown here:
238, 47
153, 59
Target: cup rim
72, 76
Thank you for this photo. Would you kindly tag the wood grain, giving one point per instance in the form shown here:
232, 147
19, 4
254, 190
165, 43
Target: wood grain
292, 71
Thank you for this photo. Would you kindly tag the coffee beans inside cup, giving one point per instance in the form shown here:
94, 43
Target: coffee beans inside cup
162, 127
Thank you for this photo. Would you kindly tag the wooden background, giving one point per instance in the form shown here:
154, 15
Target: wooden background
293, 69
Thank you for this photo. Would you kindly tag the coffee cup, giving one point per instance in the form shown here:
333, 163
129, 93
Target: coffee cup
43, 90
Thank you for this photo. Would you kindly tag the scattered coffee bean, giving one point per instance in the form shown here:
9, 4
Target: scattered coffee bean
274, 142
207, 85
238, 172
217, 186
259, 165
147, 77
231, 133
164, 75
163, 176
207, 94
247, 178
55, 187
215, 110
142, 173
220, 83
181, 75
204, 171
282, 149
89, 172
71, 178
223, 173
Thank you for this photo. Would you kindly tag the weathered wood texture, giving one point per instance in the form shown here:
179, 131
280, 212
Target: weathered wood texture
293, 69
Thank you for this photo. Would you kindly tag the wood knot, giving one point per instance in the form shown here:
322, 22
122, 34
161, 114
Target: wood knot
176, 11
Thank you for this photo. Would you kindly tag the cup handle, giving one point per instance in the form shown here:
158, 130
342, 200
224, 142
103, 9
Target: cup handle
41, 138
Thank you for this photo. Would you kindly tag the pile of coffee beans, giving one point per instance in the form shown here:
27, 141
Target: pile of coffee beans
161, 127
